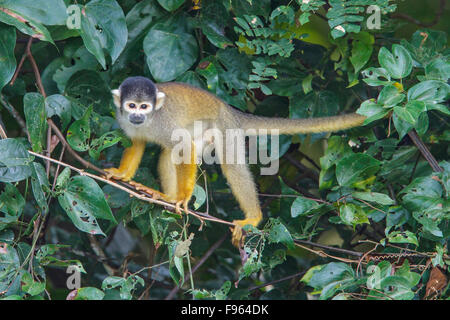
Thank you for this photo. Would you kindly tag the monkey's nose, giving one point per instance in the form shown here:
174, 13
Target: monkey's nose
137, 118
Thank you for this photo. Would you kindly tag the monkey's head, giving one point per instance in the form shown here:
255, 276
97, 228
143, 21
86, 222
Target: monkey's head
136, 99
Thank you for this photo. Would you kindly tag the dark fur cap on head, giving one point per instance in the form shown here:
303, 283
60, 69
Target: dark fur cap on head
139, 88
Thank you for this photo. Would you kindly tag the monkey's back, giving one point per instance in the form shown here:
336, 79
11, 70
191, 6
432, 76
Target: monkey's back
188, 102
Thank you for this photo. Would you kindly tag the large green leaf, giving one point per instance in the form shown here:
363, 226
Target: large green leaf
103, 28
398, 63
48, 12
34, 109
84, 201
355, 167
40, 185
23, 23
7, 58
59, 105
169, 54
14, 161
430, 92
88, 88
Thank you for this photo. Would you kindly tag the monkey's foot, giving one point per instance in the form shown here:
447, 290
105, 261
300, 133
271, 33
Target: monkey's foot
117, 174
237, 238
180, 203
140, 187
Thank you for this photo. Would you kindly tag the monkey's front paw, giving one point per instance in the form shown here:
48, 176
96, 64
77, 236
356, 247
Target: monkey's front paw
117, 174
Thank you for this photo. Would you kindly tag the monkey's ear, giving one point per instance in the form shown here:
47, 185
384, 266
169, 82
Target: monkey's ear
116, 97
160, 97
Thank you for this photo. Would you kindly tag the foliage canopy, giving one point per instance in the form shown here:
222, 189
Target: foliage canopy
360, 214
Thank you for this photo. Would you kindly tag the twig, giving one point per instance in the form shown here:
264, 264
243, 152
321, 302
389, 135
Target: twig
424, 150
16, 115
326, 255
322, 246
200, 263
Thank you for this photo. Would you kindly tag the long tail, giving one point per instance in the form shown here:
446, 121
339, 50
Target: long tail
293, 126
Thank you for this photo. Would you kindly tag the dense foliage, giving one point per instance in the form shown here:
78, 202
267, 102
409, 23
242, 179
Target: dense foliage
358, 214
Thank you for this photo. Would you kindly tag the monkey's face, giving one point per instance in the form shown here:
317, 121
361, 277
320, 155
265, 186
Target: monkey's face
137, 99
137, 111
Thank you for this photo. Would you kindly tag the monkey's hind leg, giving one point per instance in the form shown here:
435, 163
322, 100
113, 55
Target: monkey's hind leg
186, 174
241, 182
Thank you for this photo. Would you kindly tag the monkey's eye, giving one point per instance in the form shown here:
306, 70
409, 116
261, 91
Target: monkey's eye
132, 105
143, 106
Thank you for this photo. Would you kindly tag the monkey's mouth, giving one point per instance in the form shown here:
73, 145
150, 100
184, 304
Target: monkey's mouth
137, 119
137, 122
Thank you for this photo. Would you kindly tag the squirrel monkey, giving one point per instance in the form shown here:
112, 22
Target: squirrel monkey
149, 112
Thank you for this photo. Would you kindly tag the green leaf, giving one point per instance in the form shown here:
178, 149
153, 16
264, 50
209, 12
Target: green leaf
376, 197
390, 96
403, 237
30, 286
88, 88
14, 161
39, 182
374, 76
12, 204
25, 25
126, 285
84, 201
430, 92
59, 105
372, 111
35, 115
200, 196
330, 278
89, 293
428, 224
105, 141
278, 233
398, 63
169, 54
48, 12
7, 58
355, 168
423, 194
352, 214
79, 132
438, 69
103, 28
302, 206
171, 5
411, 111
377, 274
362, 47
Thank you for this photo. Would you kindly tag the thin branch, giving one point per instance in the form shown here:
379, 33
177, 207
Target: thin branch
424, 150
15, 114
322, 246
